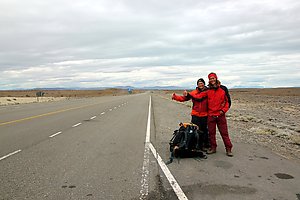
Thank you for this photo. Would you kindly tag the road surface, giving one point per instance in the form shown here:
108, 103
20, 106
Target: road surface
110, 148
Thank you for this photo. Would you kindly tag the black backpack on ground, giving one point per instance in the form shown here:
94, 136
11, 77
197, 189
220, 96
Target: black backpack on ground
185, 142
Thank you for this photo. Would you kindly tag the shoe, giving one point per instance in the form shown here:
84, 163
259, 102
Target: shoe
229, 152
211, 151
204, 149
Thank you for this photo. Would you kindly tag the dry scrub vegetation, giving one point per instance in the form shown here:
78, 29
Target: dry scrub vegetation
64, 93
268, 117
9, 97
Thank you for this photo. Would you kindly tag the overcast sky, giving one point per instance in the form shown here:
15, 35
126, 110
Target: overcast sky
104, 43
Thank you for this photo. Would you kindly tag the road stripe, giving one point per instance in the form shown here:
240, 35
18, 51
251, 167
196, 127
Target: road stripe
148, 123
176, 187
145, 173
55, 134
145, 170
110, 109
76, 125
102, 113
45, 114
15, 152
93, 117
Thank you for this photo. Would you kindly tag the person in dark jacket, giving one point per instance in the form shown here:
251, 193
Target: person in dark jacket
199, 111
219, 103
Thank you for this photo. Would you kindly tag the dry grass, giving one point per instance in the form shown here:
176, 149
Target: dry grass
254, 91
65, 93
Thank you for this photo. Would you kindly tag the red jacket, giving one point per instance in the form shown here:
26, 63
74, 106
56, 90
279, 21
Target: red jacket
199, 106
218, 100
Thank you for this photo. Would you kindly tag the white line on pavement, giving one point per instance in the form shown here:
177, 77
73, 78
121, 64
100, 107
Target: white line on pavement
10, 154
145, 170
110, 109
76, 125
93, 117
102, 113
55, 134
176, 187
145, 185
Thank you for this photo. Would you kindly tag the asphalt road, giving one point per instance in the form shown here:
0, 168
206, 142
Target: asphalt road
110, 148
77, 149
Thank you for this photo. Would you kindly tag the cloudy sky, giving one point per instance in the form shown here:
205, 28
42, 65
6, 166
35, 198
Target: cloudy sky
105, 43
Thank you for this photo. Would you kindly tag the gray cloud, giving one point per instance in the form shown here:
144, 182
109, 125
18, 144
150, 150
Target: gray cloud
109, 43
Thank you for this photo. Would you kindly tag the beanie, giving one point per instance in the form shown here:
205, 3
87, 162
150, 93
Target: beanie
212, 74
201, 80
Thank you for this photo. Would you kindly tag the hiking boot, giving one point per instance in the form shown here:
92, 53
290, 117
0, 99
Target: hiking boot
211, 151
229, 152
204, 149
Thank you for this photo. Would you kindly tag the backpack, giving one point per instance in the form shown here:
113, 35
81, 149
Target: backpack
185, 142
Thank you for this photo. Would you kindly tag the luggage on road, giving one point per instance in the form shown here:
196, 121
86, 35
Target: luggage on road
185, 142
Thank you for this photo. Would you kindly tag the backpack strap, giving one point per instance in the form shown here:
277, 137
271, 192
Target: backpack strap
226, 93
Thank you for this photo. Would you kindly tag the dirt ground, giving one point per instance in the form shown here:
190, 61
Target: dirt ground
64, 93
267, 117
13, 97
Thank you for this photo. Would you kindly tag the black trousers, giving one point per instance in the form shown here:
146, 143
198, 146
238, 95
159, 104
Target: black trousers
201, 122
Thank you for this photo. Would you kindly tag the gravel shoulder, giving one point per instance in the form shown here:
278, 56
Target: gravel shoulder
266, 153
271, 121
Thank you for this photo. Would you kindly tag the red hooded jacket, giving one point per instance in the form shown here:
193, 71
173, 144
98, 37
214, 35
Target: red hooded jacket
199, 108
218, 100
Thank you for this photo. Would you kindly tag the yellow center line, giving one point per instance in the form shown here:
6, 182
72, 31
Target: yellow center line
45, 114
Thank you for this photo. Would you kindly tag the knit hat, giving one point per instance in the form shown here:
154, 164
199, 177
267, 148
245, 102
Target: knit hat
201, 80
212, 74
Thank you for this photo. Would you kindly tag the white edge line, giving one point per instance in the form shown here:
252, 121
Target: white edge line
10, 154
93, 117
76, 125
102, 113
145, 186
55, 134
145, 174
145, 170
177, 189
148, 123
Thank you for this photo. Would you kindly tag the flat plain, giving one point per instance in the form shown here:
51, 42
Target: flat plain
267, 117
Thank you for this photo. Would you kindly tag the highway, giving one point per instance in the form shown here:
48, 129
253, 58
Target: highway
114, 147
89, 148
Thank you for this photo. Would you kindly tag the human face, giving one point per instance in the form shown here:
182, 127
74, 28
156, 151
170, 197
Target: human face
200, 85
212, 80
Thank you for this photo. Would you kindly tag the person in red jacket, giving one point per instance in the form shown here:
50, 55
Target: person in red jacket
199, 111
219, 103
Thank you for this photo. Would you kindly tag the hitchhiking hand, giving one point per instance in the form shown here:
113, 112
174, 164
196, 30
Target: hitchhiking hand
185, 93
173, 96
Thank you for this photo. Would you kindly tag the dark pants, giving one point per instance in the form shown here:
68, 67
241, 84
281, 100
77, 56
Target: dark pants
201, 122
221, 122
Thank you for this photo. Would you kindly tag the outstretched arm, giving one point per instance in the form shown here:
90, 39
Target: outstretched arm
180, 98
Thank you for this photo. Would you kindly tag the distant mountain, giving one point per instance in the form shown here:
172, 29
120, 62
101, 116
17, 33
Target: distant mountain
243, 86
164, 88
115, 87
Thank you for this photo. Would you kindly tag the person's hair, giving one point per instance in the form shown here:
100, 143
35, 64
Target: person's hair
218, 83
